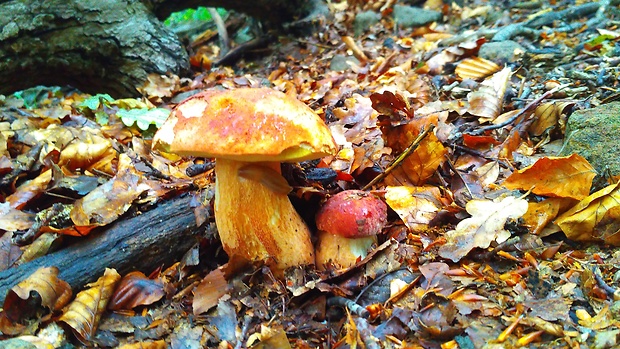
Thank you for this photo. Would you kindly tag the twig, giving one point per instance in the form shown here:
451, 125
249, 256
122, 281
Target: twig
237, 52
400, 158
602, 284
353, 307
528, 108
221, 30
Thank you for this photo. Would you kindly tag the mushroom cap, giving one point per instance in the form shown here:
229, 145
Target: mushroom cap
245, 124
352, 214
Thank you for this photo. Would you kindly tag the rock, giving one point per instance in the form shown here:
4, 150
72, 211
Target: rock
412, 17
593, 134
501, 51
342, 63
365, 20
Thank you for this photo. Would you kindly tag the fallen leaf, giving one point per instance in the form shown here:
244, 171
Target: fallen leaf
567, 177
485, 225
12, 219
9, 252
488, 100
476, 68
107, 202
83, 314
540, 214
208, 293
595, 218
53, 292
416, 206
136, 289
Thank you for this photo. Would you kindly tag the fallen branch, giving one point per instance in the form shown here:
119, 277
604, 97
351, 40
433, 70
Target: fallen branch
157, 237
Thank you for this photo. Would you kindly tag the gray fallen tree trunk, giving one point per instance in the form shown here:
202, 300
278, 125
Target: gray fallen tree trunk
155, 238
105, 46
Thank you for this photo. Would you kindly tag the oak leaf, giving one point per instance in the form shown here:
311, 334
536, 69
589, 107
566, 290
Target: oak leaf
485, 225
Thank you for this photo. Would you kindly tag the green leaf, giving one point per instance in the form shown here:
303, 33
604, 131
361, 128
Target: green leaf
94, 102
143, 117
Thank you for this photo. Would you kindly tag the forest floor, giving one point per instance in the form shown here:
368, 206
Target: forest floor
501, 233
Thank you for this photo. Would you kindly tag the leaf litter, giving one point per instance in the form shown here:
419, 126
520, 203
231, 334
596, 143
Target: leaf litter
492, 241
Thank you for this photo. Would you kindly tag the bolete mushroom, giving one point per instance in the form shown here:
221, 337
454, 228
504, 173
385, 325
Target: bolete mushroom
348, 224
249, 131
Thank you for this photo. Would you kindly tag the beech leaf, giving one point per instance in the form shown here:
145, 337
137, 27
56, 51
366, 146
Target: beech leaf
565, 177
84, 313
53, 292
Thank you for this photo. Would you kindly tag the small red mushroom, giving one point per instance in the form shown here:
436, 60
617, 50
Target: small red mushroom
348, 225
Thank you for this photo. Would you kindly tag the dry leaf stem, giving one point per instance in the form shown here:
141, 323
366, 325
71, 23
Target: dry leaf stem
416, 142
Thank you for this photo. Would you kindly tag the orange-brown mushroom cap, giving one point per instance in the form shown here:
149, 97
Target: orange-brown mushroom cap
245, 124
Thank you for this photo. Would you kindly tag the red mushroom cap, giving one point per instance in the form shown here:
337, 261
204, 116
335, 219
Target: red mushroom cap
352, 214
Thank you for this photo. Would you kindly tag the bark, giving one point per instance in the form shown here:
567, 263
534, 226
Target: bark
157, 237
105, 46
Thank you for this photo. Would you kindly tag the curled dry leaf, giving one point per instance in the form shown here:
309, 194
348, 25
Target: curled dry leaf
485, 225
540, 214
110, 200
53, 292
30, 190
416, 206
487, 101
595, 218
136, 289
83, 314
547, 116
565, 177
476, 68
12, 219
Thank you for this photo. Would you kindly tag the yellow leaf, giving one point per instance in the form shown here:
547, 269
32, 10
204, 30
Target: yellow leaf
565, 177
416, 206
595, 218
83, 314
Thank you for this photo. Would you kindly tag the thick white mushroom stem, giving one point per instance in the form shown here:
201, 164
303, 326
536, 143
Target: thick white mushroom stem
341, 252
256, 223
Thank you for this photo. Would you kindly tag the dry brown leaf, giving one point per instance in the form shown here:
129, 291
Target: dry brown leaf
488, 173
110, 200
30, 190
83, 314
136, 289
12, 219
53, 292
488, 100
485, 225
540, 214
595, 218
209, 291
547, 116
423, 161
269, 337
160, 344
476, 68
567, 177
416, 206
9, 252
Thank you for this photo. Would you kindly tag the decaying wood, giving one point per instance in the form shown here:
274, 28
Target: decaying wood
106, 46
158, 237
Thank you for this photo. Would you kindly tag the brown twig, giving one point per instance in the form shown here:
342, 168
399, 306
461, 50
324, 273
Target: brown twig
397, 162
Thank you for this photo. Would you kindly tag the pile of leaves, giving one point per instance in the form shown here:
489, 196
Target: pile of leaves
494, 240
